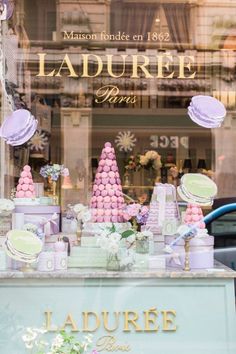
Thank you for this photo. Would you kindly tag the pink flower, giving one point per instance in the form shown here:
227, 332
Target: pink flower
94, 352
65, 172
144, 210
133, 209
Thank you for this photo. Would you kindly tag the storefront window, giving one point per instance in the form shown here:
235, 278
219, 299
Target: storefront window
119, 81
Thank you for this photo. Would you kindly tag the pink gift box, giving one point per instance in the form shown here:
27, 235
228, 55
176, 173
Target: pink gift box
46, 217
201, 254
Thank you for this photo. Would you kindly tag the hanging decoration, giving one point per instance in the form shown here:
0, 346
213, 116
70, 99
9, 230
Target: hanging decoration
125, 141
39, 141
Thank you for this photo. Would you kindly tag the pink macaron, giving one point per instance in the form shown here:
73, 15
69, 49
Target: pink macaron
109, 162
21, 180
114, 198
114, 219
18, 188
20, 194
102, 162
100, 205
104, 193
111, 156
100, 218
107, 212
100, 212
107, 149
108, 186
97, 193
105, 181
107, 199
106, 205
99, 198
107, 144
195, 211
111, 174
196, 218
27, 168
99, 169
101, 187
107, 218
115, 212
24, 174
25, 187
29, 194
26, 180
111, 192
114, 168
106, 168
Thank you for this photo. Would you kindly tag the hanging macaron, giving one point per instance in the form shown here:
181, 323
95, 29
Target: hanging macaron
6, 9
22, 246
197, 189
18, 127
206, 111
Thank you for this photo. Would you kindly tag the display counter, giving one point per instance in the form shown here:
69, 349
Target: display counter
166, 312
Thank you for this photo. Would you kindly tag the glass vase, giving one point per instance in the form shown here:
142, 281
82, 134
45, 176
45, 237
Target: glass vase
113, 262
142, 246
53, 191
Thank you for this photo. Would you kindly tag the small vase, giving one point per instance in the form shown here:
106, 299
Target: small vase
113, 262
142, 246
53, 191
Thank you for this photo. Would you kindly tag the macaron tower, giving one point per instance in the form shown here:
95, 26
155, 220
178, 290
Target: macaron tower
25, 187
194, 215
107, 202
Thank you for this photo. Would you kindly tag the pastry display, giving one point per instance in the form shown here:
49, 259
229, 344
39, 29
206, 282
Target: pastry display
163, 208
206, 111
201, 245
107, 203
25, 187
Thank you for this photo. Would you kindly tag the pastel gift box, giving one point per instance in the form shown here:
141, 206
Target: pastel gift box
43, 216
157, 261
141, 261
3, 260
87, 257
164, 213
46, 262
5, 224
60, 260
201, 253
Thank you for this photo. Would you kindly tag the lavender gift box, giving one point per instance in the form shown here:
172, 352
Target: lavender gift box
201, 253
46, 217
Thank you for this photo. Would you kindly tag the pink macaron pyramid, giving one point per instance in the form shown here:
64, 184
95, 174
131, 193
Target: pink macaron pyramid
194, 215
107, 202
25, 187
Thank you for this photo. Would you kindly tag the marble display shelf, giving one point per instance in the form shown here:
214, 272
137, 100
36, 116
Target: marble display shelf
219, 271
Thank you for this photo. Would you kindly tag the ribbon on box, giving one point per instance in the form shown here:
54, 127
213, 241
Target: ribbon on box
161, 198
50, 226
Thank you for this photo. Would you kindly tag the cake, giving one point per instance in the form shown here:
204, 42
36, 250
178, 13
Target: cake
163, 210
67, 184
107, 203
